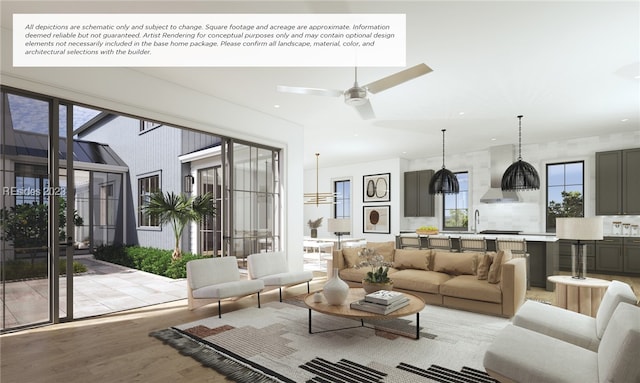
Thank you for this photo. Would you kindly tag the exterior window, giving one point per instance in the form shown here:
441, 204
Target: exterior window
342, 208
565, 191
456, 206
146, 187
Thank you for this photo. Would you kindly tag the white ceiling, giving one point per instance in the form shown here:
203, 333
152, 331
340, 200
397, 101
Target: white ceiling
571, 68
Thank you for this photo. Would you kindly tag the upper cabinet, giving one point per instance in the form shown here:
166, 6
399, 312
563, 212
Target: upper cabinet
417, 200
618, 182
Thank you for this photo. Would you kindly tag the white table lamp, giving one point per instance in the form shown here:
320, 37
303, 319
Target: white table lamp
579, 229
339, 226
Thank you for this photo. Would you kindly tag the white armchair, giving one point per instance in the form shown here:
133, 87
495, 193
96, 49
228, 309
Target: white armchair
214, 279
579, 329
272, 269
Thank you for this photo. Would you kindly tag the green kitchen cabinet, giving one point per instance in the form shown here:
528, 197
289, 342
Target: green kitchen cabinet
609, 255
631, 255
618, 182
417, 200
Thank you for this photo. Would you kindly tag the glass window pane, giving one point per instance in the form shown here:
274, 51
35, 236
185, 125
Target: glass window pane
574, 174
555, 175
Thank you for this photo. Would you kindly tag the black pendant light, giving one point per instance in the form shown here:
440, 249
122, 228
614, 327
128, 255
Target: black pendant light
520, 175
444, 181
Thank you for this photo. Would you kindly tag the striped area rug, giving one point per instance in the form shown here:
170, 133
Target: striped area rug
272, 344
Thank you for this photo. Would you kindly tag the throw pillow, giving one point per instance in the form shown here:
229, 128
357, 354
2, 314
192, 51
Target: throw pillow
495, 271
386, 249
483, 266
411, 259
453, 263
350, 255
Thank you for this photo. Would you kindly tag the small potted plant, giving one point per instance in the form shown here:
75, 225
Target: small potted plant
377, 278
314, 225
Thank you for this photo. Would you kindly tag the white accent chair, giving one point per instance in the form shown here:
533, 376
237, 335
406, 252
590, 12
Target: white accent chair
521, 355
214, 279
272, 269
579, 329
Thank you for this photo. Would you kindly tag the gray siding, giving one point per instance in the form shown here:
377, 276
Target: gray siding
156, 150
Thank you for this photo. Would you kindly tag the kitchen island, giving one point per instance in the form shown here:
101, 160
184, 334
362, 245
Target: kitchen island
542, 248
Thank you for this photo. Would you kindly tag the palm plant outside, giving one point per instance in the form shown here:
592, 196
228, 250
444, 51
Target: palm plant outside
179, 210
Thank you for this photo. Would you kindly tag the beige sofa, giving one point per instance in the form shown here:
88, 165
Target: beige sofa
489, 283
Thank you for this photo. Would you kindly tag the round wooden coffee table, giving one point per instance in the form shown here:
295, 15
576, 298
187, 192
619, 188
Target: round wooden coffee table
416, 304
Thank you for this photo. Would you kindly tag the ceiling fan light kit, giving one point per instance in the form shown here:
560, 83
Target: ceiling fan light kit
520, 175
444, 181
357, 96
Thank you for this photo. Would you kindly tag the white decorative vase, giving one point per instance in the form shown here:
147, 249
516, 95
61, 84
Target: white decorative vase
335, 290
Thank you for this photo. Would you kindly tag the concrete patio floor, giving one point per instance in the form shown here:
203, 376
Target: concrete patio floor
104, 288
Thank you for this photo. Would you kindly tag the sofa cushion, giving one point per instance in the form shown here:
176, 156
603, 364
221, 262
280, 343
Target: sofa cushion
495, 271
386, 249
616, 293
453, 263
411, 259
559, 323
419, 280
521, 355
484, 264
469, 287
357, 275
350, 255
618, 351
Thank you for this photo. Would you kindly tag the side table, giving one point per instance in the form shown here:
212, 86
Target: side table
579, 295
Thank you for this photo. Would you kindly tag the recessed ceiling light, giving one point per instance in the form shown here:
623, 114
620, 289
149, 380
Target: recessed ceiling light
624, 120
355, 134
461, 113
493, 138
276, 106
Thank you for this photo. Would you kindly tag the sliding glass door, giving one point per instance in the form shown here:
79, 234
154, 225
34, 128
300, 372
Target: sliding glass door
33, 211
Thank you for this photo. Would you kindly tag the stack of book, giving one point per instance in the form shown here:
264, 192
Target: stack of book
381, 302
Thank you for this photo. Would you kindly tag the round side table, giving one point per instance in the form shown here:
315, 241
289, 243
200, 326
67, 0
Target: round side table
579, 295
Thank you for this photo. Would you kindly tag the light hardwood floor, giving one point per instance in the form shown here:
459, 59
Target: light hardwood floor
117, 348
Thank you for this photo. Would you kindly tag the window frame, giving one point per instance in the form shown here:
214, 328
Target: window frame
464, 226
146, 221
549, 228
339, 199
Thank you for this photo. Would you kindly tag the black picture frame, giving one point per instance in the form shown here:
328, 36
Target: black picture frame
376, 187
376, 219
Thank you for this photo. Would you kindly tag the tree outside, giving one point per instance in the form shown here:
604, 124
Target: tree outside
179, 210
572, 205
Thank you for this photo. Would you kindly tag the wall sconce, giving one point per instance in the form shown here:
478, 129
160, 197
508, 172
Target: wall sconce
188, 183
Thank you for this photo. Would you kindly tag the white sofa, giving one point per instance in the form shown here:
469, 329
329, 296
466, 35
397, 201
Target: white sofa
579, 329
522, 355
272, 269
214, 279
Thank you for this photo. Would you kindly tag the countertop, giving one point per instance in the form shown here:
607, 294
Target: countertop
530, 237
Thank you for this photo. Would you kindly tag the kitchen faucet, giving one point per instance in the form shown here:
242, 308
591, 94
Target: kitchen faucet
476, 221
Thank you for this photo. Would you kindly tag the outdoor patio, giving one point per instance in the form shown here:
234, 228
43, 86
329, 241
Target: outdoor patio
104, 288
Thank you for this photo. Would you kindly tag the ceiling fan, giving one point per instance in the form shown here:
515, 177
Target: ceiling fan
356, 96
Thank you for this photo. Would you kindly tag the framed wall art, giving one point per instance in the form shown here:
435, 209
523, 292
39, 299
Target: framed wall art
376, 219
376, 187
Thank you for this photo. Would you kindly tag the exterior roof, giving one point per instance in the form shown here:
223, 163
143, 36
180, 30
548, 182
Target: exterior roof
36, 144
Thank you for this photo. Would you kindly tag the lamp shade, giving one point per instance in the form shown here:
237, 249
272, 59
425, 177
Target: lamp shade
579, 228
444, 181
339, 225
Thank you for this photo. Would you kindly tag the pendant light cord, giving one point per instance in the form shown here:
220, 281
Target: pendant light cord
520, 138
317, 179
443, 130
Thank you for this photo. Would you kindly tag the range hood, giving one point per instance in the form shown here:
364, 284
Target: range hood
500, 159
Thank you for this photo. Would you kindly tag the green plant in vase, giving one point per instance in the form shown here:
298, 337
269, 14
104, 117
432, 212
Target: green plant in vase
378, 277
314, 225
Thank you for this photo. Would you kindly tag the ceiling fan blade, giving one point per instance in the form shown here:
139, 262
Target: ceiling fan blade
365, 111
310, 91
398, 78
